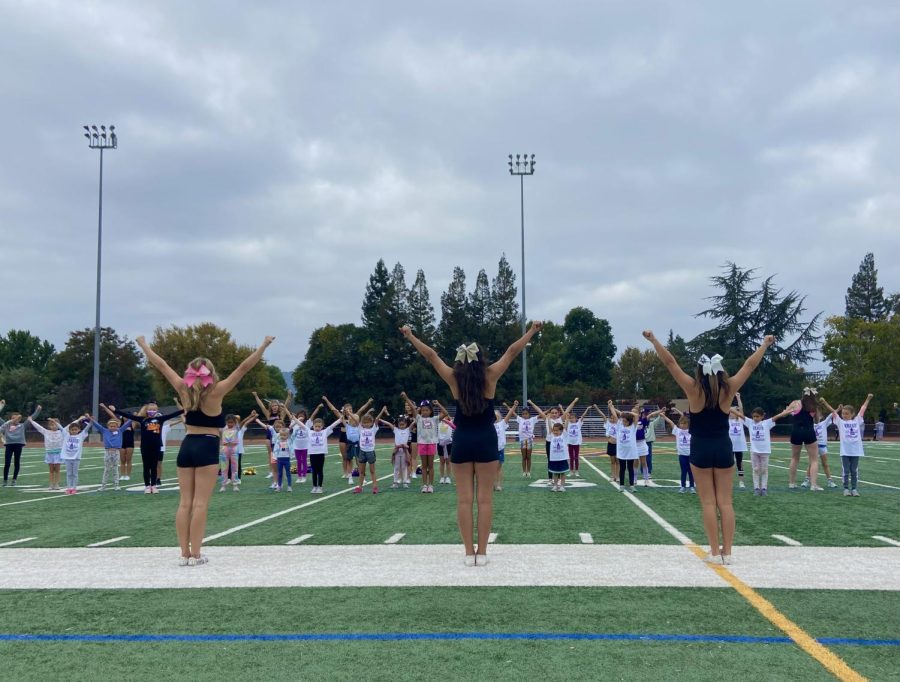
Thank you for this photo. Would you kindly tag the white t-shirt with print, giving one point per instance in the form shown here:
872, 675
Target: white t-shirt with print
500, 427
683, 441
526, 428
736, 433
573, 432
626, 445
821, 429
851, 433
760, 438
318, 440
367, 438
558, 448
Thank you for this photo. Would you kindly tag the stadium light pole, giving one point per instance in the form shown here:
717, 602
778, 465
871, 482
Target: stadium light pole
522, 166
99, 139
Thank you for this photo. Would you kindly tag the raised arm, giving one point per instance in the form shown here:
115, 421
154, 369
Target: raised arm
365, 406
613, 412
496, 370
232, 380
37, 427
264, 409
107, 410
430, 354
337, 413
154, 359
409, 403
511, 412
827, 406
540, 412
127, 415
750, 364
250, 418
571, 405
862, 410
739, 402
784, 413
668, 421
443, 411
684, 380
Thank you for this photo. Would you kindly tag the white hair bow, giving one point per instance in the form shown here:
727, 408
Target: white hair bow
810, 391
467, 353
711, 365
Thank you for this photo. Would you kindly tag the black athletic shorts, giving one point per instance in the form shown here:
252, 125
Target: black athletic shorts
198, 450
712, 453
611, 449
478, 444
803, 435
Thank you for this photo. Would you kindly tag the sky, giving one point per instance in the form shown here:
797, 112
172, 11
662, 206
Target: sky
270, 153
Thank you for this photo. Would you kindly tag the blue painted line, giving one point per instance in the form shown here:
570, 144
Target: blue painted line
434, 636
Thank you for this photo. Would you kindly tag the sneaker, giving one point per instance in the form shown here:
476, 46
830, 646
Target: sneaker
424, 488
303, 479
395, 485
763, 492
415, 475
153, 489
5, 484
13, 484
184, 560
756, 492
277, 488
621, 488
805, 483
792, 486
350, 480
469, 560
632, 489
741, 485
236, 488
147, 490
117, 488
497, 487
854, 493
431, 488
682, 489
816, 488
357, 490
198, 561
693, 491
846, 492
713, 559
406, 485
272, 487
126, 478
375, 490
727, 560
562, 488
831, 484
269, 475
481, 560
222, 488
290, 489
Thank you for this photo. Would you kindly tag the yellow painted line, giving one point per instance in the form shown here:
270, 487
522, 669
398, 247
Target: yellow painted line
825, 656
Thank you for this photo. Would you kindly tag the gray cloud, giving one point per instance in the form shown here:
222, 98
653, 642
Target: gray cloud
270, 154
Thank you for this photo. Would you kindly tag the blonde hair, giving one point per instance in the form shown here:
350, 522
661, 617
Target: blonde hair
194, 394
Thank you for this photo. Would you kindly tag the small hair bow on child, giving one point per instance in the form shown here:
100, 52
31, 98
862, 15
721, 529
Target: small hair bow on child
466, 353
711, 365
191, 375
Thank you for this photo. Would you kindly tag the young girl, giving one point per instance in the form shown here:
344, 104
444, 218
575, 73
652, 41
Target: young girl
501, 425
270, 412
112, 441
242, 430
412, 460
445, 445
558, 459
626, 450
318, 448
13, 432
368, 431
851, 427
761, 446
643, 448
803, 436
526, 424
401, 451
682, 435
574, 440
127, 452
427, 426
736, 434
551, 417
228, 459
611, 433
72, 446
164, 437
283, 448
300, 432
150, 420
273, 431
821, 429
53, 438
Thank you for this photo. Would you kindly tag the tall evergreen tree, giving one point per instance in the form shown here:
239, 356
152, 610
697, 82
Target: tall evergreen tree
401, 293
381, 322
865, 300
378, 293
506, 322
480, 309
420, 310
454, 326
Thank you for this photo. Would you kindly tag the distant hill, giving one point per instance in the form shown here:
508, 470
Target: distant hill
289, 380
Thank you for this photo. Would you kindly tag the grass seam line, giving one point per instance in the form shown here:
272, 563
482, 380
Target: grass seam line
827, 658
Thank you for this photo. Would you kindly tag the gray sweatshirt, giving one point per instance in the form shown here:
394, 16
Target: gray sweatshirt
14, 434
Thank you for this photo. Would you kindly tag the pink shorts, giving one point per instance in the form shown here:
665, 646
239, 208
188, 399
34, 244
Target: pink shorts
427, 449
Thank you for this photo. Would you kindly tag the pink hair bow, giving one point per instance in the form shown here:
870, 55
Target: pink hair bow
191, 375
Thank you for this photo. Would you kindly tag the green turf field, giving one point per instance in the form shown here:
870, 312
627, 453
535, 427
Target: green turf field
525, 513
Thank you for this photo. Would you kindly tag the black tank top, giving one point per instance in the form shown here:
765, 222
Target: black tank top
711, 422
475, 421
803, 420
198, 418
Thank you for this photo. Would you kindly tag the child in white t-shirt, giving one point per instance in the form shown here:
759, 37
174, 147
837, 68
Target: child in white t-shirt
501, 426
318, 448
821, 429
738, 441
445, 447
368, 431
850, 427
682, 435
400, 455
626, 445
526, 424
761, 446
72, 446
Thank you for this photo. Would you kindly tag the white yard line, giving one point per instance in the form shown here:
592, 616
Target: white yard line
838, 478
297, 541
256, 522
16, 542
395, 538
586, 538
406, 565
111, 541
888, 540
788, 541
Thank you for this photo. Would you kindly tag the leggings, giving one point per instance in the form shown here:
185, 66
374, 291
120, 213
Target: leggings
317, 462
739, 462
149, 462
284, 466
401, 471
574, 451
760, 463
231, 473
629, 464
649, 457
12, 450
72, 473
686, 473
850, 466
110, 466
302, 466
228, 462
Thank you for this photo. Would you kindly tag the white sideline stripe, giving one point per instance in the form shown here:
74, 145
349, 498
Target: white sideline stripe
16, 542
297, 541
880, 485
492, 538
408, 565
109, 542
882, 538
666, 526
788, 541
395, 538
61, 494
250, 524
586, 538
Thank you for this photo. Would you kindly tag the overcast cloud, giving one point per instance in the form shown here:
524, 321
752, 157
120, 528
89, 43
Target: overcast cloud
270, 153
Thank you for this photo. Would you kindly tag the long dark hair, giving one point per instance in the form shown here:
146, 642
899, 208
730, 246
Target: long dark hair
808, 403
712, 386
471, 378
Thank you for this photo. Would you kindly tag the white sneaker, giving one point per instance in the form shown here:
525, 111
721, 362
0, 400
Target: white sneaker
713, 559
290, 489
269, 475
693, 491
146, 490
682, 490
415, 476
805, 483
406, 485
198, 561
741, 485
481, 560
273, 486
184, 561
303, 479
395, 485
846, 492
727, 560
562, 488
222, 488
831, 484
792, 486
469, 560
816, 488
632, 489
